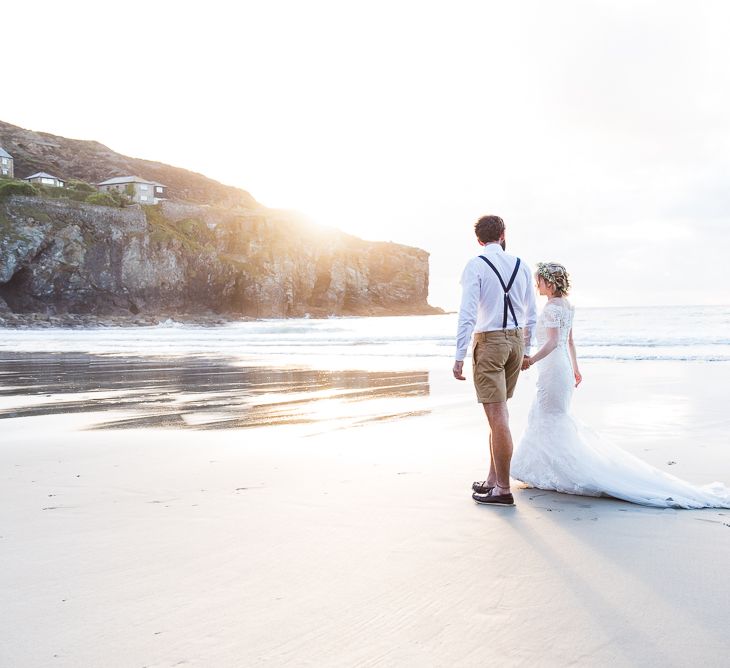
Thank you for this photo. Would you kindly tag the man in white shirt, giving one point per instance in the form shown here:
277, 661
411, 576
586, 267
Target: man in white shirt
498, 304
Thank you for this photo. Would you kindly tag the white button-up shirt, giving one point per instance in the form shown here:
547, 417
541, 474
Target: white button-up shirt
482, 301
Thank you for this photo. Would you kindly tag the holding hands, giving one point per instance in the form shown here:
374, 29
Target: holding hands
528, 361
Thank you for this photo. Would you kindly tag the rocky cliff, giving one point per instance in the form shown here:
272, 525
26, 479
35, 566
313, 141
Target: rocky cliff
60, 256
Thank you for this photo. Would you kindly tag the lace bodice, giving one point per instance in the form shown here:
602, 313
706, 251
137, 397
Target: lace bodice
557, 313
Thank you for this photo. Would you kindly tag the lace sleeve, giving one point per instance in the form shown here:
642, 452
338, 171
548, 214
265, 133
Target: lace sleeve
551, 316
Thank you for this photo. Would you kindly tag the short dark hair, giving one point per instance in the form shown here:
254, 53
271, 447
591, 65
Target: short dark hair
489, 228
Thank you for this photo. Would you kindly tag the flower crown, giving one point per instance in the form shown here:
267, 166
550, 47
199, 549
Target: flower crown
555, 274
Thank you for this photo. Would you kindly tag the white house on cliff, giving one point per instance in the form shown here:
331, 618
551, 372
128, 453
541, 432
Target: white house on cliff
140, 190
45, 179
6, 164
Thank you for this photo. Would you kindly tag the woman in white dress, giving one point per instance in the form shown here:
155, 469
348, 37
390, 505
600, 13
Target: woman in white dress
558, 453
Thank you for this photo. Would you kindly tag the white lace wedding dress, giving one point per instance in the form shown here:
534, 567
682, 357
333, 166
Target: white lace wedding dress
558, 453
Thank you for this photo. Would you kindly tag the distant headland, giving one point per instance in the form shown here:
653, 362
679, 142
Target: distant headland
87, 233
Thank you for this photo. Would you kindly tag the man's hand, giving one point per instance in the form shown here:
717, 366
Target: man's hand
458, 369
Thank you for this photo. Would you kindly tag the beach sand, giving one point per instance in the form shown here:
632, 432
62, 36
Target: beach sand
348, 537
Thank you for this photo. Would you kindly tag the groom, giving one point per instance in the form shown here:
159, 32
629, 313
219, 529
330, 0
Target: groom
498, 303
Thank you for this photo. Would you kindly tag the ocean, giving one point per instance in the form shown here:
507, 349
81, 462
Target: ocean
330, 373
691, 333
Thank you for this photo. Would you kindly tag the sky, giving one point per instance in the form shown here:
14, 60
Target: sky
598, 130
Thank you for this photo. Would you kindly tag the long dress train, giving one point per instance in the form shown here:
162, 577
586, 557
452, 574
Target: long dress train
557, 452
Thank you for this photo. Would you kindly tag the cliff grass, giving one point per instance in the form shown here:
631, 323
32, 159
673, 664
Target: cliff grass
100, 199
193, 235
10, 187
85, 194
56, 192
77, 191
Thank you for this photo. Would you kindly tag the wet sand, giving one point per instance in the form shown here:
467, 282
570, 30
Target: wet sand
197, 393
345, 534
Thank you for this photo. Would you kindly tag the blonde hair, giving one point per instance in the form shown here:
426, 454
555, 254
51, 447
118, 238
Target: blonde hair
556, 275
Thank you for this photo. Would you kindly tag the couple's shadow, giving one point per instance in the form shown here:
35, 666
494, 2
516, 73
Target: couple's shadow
630, 572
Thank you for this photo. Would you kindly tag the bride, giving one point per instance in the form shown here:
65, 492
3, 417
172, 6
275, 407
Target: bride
558, 453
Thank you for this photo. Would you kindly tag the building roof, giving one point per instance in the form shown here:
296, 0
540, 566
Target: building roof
41, 175
4, 153
120, 180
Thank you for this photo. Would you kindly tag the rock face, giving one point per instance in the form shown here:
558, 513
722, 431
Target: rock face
59, 256
219, 252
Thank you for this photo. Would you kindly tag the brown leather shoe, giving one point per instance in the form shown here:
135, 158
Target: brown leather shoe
481, 487
494, 499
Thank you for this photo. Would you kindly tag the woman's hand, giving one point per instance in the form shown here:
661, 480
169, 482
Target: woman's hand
526, 362
578, 378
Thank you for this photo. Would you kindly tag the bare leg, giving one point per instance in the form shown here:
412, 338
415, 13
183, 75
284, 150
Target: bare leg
492, 477
501, 444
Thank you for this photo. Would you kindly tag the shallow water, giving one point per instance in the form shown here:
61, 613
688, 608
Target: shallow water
692, 333
340, 372
197, 393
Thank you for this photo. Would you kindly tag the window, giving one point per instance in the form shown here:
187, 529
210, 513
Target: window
46, 182
5, 161
143, 198
5, 171
158, 189
144, 186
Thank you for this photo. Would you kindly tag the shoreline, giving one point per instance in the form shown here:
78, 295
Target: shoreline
88, 321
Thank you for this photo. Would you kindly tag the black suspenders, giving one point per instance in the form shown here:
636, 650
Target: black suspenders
506, 288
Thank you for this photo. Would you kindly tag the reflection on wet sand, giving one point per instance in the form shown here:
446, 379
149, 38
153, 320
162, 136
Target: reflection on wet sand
201, 393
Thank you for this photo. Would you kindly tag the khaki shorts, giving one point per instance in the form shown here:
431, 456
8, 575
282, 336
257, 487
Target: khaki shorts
497, 363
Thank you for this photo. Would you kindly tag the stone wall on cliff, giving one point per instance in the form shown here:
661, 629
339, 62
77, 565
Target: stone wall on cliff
58, 256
